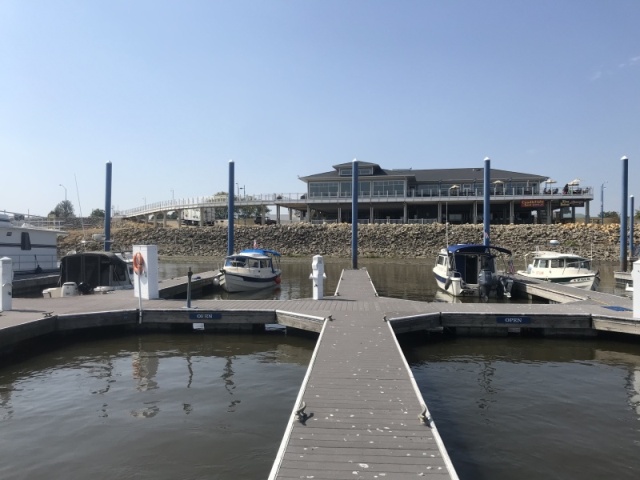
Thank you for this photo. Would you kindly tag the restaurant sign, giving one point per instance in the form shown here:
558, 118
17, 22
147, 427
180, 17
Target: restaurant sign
531, 203
571, 203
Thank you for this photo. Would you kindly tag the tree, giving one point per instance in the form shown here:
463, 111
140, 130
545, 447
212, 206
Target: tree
614, 215
97, 213
64, 210
637, 215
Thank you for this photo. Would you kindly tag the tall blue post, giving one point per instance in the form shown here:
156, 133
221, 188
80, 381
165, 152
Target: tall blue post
486, 211
631, 215
107, 210
230, 239
623, 215
354, 215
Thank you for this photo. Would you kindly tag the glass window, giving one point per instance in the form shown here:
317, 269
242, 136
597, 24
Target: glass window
323, 189
346, 172
388, 188
25, 241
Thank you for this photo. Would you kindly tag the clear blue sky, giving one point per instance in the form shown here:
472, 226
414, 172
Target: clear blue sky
170, 91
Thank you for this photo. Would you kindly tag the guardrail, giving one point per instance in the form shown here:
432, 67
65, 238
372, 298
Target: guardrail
411, 196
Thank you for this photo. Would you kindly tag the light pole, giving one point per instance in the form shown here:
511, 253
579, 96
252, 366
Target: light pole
65, 192
602, 187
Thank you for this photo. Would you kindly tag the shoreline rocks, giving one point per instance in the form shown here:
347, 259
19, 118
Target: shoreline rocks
601, 242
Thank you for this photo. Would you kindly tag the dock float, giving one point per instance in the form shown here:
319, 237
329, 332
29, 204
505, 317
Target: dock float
359, 413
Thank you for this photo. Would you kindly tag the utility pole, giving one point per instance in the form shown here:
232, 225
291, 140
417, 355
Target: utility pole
602, 187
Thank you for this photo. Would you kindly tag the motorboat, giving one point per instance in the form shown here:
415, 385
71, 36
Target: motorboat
562, 268
92, 272
30, 242
250, 269
470, 269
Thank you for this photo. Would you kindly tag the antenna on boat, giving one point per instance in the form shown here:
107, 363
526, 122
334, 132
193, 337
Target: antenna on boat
79, 207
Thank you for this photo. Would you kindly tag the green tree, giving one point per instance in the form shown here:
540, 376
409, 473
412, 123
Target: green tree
614, 215
637, 215
97, 213
64, 210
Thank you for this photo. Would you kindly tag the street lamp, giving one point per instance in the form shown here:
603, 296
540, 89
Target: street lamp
602, 187
65, 192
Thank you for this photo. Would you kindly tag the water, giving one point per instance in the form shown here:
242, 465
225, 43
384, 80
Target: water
199, 405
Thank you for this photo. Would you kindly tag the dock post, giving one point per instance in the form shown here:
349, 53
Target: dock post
318, 276
6, 279
635, 276
623, 215
231, 211
486, 210
107, 210
631, 219
354, 215
189, 275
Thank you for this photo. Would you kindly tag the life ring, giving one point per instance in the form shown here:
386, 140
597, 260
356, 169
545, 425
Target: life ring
138, 263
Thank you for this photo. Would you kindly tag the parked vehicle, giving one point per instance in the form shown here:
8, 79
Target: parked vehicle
193, 216
267, 221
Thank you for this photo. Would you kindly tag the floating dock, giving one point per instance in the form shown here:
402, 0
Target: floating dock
359, 413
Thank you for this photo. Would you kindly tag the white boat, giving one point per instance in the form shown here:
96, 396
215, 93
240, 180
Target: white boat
251, 269
32, 248
470, 269
562, 268
92, 272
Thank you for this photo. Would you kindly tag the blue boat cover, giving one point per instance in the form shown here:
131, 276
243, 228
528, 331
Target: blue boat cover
260, 251
475, 248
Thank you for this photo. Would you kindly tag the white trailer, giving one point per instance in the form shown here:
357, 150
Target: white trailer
198, 216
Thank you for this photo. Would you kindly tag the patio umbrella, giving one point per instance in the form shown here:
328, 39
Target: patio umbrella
575, 181
498, 182
550, 180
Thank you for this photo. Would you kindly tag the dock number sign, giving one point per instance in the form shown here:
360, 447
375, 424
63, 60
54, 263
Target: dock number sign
513, 320
205, 316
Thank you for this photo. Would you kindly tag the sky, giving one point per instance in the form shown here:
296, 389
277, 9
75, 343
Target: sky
169, 92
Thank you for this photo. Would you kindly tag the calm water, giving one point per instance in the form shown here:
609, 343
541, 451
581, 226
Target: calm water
196, 406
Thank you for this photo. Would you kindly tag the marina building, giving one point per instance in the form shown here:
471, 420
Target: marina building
455, 195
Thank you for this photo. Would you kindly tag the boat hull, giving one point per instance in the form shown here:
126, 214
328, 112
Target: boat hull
585, 282
233, 282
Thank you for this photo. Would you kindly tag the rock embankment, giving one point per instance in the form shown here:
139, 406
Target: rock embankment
602, 242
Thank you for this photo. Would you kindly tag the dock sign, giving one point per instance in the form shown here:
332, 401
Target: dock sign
513, 320
205, 316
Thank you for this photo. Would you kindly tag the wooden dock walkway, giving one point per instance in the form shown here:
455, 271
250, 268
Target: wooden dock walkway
358, 414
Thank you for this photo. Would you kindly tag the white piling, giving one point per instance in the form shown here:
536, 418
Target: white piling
635, 275
6, 283
318, 276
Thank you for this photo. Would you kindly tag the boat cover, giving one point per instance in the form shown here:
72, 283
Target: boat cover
259, 251
475, 248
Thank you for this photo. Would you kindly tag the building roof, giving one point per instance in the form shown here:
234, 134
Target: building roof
436, 175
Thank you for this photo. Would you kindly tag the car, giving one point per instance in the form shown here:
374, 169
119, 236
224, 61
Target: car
267, 221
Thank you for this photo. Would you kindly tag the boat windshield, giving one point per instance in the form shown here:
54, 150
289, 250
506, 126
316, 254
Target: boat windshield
235, 262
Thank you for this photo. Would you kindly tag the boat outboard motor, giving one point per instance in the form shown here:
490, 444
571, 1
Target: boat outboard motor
84, 288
